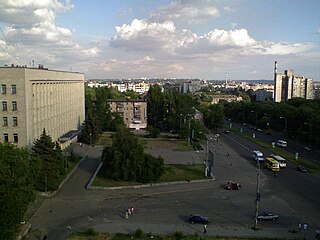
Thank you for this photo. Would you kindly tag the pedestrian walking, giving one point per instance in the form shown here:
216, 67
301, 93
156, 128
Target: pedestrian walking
230, 165
228, 154
126, 214
204, 229
299, 227
305, 226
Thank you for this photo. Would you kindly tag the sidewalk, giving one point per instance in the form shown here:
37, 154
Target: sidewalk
190, 229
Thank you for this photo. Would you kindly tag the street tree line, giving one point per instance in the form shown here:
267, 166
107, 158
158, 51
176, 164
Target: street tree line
298, 117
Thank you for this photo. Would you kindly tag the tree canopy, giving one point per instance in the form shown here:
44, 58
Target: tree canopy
126, 161
49, 155
16, 188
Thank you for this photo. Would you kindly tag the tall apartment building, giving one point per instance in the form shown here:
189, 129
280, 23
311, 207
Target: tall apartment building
288, 86
133, 111
33, 99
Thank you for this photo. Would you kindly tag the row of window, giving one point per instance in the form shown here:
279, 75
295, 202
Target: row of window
6, 137
4, 89
5, 106
14, 121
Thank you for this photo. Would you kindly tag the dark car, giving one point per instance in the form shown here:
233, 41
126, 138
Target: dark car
267, 216
196, 218
226, 131
233, 186
301, 169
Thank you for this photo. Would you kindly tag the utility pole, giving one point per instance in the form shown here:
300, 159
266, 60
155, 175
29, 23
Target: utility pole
257, 199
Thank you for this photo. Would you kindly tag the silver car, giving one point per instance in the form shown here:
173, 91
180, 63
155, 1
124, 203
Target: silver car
267, 216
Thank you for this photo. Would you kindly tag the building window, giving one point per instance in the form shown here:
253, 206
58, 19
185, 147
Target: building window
3, 89
15, 138
13, 89
5, 121
5, 137
15, 121
4, 106
14, 106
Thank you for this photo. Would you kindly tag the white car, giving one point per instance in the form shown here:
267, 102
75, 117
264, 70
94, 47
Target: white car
281, 143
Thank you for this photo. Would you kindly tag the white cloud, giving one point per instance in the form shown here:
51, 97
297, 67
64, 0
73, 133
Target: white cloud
142, 35
91, 51
271, 48
24, 11
228, 9
184, 11
32, 33
145, 36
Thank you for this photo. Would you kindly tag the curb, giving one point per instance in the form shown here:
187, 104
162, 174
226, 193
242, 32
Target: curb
90, 187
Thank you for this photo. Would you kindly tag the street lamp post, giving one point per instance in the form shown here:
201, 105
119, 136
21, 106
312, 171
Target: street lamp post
256, 114
268, 123
309, 133
243, 116
285, 123
209, 161
257, 199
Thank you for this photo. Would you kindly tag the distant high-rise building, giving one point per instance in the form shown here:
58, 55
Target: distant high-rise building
288, 86
34, 99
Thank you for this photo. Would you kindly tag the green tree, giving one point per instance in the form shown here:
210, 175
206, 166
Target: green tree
44, 151
156, 106
16, 188
213, 117
126, 161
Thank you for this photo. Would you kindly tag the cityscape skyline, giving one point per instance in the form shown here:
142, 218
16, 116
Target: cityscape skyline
167, 39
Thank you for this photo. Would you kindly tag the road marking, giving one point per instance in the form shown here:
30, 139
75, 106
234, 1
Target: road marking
239, 143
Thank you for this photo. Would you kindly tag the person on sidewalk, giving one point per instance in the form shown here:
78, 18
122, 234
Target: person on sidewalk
204, 229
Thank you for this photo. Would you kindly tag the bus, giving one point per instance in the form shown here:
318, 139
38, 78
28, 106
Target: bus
281, 160
272, 164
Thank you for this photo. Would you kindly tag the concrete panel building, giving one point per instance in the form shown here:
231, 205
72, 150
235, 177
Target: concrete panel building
288, 86
133, 111
33, 99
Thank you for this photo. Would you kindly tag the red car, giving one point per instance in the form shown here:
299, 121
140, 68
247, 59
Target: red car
233, 186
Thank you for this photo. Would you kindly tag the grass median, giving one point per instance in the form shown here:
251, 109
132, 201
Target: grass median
279, 151
172, 173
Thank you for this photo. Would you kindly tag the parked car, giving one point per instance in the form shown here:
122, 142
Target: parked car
233, 186
282, 143
301, 169
226, 131
196, 218
267, 216
307, 148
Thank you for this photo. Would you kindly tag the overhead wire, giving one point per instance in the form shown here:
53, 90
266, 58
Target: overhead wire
7, 43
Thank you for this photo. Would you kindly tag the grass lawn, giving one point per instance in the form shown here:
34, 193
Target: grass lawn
173, 172
166, 142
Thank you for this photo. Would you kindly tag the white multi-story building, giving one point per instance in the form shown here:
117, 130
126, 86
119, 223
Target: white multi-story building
33, 99
288, 86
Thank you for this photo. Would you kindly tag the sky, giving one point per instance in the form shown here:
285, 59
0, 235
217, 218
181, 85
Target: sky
204, 39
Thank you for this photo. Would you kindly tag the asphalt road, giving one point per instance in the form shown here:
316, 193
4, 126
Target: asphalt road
294, 146
164, 209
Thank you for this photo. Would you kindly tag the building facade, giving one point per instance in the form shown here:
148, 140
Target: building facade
133, 111
288, 86
34, 99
